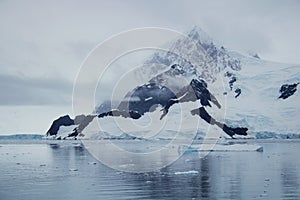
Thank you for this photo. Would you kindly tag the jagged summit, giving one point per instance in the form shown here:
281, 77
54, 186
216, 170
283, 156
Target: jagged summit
196, 53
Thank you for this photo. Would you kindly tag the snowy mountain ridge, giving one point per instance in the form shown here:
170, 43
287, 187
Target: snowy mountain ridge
197, 54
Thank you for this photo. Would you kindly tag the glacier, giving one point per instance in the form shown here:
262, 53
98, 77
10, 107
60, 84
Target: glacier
259, 107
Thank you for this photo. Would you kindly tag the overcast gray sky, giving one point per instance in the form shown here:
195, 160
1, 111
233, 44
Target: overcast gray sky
43, 43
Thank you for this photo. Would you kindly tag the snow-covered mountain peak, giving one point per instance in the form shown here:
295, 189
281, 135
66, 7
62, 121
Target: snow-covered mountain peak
257, 94
195, 53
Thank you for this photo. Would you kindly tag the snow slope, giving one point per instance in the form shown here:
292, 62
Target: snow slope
258, 107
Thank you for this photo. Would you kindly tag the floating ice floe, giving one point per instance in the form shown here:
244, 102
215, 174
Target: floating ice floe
186, 172
225, 147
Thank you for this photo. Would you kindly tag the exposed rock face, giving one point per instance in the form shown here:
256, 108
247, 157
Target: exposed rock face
203, 94
78, 119
197, 90
125, 114
84, 123
232, 79
287, 90
238, 92
209, 119
62, 121
145, 97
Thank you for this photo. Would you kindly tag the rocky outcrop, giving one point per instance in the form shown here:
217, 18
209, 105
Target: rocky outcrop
209, 119
126, 114
287, 90
238, 92
72, 127
84, 123
197, 90
61, 121
232, 78
78, 119
145, 98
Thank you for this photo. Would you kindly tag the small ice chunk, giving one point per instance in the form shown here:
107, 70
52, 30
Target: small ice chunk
187, 172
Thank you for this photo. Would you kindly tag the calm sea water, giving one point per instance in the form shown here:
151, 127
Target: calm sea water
65, 170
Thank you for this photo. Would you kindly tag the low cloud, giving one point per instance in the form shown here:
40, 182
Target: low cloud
17, 90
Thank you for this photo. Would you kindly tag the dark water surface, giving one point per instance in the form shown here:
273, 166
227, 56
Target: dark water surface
65, 170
